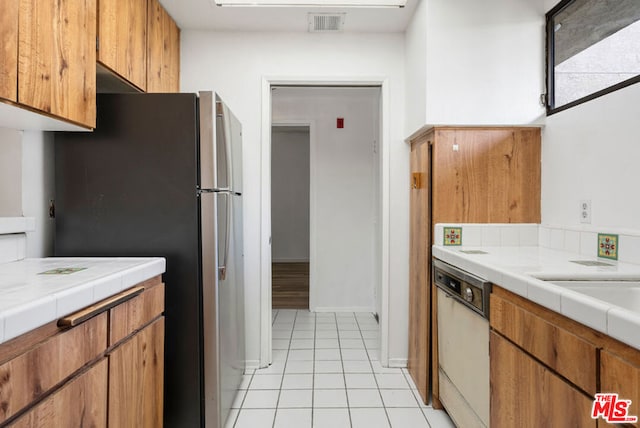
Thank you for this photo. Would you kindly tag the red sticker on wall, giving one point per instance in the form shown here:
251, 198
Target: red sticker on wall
340, 123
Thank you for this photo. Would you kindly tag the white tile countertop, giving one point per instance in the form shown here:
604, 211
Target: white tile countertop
523, 269
34, 292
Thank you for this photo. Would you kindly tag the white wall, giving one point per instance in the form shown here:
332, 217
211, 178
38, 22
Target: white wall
343, 272
235, 63
591, 152
10, 173
290, 195
484, 62
415, 46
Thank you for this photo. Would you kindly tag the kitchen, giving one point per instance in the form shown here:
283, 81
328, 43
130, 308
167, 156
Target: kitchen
451, 64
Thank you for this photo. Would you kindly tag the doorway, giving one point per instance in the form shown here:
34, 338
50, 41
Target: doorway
290, 233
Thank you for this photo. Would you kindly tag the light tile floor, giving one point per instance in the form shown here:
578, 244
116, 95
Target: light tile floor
326, 374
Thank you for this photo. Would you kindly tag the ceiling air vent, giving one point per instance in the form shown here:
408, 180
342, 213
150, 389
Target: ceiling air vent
326, 22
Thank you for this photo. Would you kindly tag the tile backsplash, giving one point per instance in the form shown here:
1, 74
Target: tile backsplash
488, 235
13, 239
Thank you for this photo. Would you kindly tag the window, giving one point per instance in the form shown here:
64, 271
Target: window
593, 48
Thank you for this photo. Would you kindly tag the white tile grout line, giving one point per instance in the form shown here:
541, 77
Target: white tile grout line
344, 376
286, 360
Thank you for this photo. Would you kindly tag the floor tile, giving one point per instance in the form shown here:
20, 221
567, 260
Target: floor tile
332, 398
391, 381
377, 368
259, 399
403, 418
438, 418
299, 367
327, 344
364, 398
297, 381
351, 344
328, 381
331, 418
292, 398
369, 418
357, 367
301, 344
369, 327
372, 343
303, 334
327, 355
355, 354
328, 367
244, 384
301, 355
360, 381
266, 381
344, 315
347, 327
280, 343
231, 419
275, 368
398, 398
237, 401
304, 327
421, 403
289, 418
350, 334
281, 334
320, 327
326, 334
279, 355
369, 334
255, 418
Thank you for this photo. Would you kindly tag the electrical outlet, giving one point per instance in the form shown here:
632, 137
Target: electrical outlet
585, 211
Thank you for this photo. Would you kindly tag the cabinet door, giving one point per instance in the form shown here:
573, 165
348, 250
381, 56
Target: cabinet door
524, 393
622, 377
80, 403
122, 35
57, 58
136, 381
9, 50
163, 61
419, 267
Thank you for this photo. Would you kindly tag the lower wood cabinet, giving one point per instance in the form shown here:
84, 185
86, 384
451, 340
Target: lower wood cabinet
136, 379
105, 370
82, 402
524, 393
620, 373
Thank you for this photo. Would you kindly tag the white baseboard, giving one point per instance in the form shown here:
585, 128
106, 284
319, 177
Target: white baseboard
398, 363
343, 309
252, 364
274, 260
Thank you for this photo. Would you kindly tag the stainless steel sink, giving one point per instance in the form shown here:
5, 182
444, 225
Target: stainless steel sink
625, 294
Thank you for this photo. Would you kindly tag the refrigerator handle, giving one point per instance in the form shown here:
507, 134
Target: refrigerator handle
226, 134
222, 269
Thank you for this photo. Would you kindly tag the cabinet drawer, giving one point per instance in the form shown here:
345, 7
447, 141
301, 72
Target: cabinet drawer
564, 352
134, 314
33, 373
81, 402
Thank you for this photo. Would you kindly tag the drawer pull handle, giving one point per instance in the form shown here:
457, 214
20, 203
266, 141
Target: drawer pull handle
104, 305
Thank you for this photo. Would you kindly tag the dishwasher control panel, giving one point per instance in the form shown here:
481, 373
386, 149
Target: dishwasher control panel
463, 286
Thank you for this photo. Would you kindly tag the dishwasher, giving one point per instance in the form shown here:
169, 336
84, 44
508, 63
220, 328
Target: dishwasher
463, 344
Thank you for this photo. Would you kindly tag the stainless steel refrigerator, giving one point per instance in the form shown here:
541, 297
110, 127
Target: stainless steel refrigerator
162, 176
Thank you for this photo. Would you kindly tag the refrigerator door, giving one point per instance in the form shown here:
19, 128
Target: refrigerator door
209, 237
230, 299
228, 152
206, 131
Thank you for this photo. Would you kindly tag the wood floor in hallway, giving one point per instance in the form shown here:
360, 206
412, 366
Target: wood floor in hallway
290, 285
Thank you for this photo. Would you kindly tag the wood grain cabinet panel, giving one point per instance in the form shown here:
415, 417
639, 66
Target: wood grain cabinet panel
559, 349
136, 379
122, 37
57, 58
80, 403
30, 375
163, 60
420, 254
9, 49
622, 376
524, 393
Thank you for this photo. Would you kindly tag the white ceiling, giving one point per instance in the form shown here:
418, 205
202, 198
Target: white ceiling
204, 15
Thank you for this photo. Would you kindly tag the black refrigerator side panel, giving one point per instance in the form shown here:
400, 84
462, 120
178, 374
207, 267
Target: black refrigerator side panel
129, 189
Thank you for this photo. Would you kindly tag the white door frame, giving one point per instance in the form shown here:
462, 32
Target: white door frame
265, 203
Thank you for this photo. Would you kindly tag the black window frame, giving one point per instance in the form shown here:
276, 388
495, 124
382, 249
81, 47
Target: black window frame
550, 66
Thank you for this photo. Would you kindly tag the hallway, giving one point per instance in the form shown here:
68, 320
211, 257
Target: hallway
326, 374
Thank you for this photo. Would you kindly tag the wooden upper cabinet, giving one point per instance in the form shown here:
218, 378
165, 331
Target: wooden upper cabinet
163, 61
122, 36
486, 175
9, 49
57, 58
